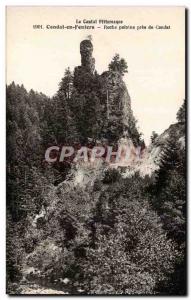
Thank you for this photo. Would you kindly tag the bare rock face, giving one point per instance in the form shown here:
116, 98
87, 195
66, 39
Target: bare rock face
117, 104
83, 75
104, 100
87, 61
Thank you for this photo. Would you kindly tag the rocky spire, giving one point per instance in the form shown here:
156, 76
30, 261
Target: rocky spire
87, 61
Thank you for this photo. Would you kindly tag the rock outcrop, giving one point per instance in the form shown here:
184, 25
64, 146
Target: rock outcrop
87, 61
84, 74
104, 98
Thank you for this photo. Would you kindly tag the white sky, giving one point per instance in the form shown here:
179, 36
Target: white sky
156, 60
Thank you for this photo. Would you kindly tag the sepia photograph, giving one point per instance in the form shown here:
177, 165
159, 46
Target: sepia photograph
96, 163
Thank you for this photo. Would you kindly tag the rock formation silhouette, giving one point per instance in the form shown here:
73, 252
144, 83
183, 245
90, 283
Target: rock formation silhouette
104, 98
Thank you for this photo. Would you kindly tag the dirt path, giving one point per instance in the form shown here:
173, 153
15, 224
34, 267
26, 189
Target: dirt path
35, 289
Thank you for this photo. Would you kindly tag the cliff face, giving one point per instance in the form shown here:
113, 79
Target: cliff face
104, 99
175, 132
117, 104
83, 75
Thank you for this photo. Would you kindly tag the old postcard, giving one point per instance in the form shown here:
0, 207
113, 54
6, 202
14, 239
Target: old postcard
96, 152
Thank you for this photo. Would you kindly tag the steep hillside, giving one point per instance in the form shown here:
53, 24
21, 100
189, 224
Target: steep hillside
92, 227
100, 104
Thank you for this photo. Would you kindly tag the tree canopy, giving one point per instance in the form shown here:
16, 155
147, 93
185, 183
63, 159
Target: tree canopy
118, 65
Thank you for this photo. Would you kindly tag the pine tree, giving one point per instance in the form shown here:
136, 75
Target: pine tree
66, 84
181, 114
118, 65
154, 135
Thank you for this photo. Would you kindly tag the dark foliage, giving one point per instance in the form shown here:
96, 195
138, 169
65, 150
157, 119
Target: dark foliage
118, 65
114, 235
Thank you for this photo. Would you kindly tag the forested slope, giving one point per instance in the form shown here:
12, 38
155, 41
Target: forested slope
91, 229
